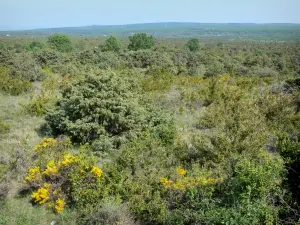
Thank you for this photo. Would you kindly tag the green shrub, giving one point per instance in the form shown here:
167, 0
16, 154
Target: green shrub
102, 60
25, 67
147, 58
5, 57
47, 58
141, 41
13, 85
38, 104
60, 42
46, 97
112, 44
235, 122
193, 44
104, 105
35, 46
59, 178
290, 151
4, 128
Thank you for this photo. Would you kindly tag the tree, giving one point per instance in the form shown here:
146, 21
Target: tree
141, 41
35, 45
112, 44
60, 42
193, 44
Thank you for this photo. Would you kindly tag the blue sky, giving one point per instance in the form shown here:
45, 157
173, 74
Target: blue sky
29, 14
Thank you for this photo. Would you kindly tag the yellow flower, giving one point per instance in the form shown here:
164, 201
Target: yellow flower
204, 181
179, 186
181, 171
42, 194
68, 159
51, 169
59, 205
210, 180
97, 172
224, 78
166, 183
33, 174
46, 142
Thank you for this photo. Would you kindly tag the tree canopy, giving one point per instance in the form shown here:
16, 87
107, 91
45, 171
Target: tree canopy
60, 42
112, 44
141, 41
193, 44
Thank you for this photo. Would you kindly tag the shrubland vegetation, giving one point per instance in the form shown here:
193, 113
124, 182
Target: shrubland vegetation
149, 131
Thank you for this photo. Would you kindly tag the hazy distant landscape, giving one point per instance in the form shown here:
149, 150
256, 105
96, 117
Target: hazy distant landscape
178, 30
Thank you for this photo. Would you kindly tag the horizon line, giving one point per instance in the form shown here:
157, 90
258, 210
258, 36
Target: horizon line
146, 23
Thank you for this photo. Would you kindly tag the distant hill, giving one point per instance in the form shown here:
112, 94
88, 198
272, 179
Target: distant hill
177, 30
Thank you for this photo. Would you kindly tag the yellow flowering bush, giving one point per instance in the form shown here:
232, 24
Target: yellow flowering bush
59, 205
46, 143
51, 169
68, 160
96, 171
42, 195
180, 171
183, 183
58, 175
33, 175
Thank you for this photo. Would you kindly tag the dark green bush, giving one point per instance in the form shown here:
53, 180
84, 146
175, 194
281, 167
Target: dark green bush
105, 105
141, 41
103, 60
147, 58
60, 42
49, 58
193, 44
112, 44
35, 46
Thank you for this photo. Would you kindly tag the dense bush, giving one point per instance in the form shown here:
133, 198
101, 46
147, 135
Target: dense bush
60, 42
48, 58
103, 105
103, 60
59, 178
25, 67
13, 85
147, 58
193, 45
35, 46
141, 41
112, 44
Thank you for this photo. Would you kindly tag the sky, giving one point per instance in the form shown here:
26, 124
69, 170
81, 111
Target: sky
31, 14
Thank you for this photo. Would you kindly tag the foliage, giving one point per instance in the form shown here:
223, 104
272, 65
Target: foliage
193, 45
36, 45
290, 150
141, 41
4, 128
24, 66
45, 97
112, 44
59, 176
60, 42
47, 58
13, 85
213, 160
100, 106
